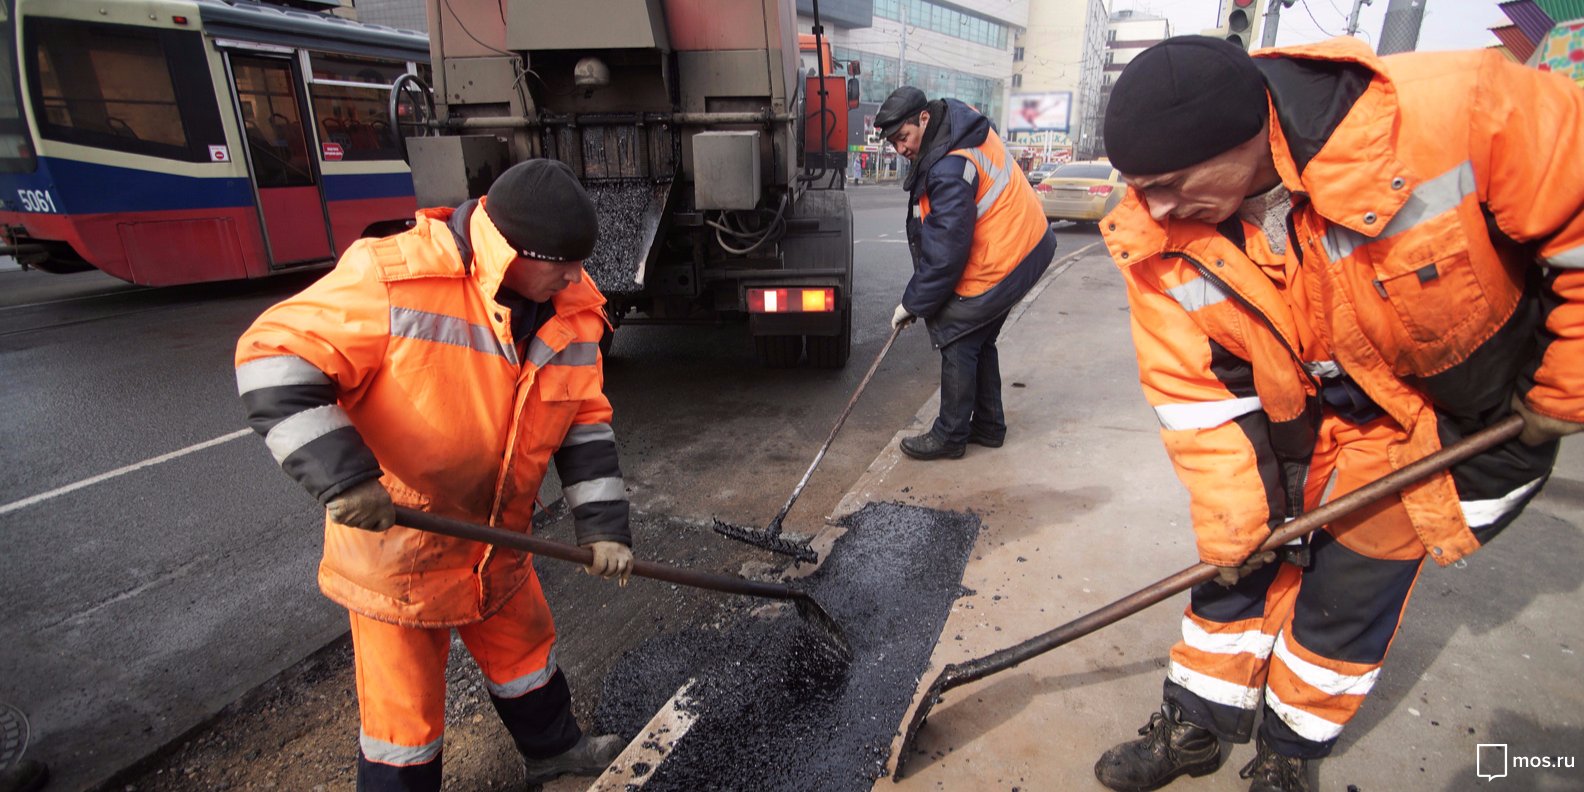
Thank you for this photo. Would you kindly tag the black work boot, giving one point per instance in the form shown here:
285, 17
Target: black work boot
590, 756
1169, 748
1273, 772
928, 446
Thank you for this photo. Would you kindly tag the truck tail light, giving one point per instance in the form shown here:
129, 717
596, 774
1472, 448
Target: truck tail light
791, 300
1100, 189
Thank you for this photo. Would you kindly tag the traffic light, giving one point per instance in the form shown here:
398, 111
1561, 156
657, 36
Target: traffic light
1237, 22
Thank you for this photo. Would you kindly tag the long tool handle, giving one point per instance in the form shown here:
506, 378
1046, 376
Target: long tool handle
775, 525
956, 674
550, 548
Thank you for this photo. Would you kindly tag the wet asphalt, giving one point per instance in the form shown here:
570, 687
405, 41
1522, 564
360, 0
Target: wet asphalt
773, 711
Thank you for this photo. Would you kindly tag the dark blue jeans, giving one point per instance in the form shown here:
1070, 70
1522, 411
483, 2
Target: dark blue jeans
971, 387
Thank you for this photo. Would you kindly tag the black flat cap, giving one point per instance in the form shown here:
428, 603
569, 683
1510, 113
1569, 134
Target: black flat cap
543, 212
1181, 102
901, 105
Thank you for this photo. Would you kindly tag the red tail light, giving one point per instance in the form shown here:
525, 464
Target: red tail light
791, 300
1042, 187
1100, 189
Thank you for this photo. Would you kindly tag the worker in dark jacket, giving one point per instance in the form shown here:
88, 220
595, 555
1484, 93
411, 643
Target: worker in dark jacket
979, 241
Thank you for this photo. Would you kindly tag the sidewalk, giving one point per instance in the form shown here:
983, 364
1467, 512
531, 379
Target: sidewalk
1081, 507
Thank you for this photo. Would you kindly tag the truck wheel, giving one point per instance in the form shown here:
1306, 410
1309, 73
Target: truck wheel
831, 352
779, 351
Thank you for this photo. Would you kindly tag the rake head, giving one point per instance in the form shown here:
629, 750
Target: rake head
767, 540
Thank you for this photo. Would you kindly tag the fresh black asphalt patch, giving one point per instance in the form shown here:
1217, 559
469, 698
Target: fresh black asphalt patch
771, 713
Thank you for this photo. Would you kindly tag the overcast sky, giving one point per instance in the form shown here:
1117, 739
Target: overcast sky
1448, 24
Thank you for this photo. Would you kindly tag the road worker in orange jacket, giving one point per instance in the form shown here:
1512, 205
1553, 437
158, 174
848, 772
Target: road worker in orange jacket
443, 369
979, 241
1336, 265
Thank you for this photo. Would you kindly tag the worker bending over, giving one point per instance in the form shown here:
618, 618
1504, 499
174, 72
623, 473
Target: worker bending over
1336, 265
442, 369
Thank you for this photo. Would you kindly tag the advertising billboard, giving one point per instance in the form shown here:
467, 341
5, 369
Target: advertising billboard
1035, 112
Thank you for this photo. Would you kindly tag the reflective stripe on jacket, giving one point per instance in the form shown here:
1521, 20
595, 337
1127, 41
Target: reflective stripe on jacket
1428, 187
401, 354
978, 235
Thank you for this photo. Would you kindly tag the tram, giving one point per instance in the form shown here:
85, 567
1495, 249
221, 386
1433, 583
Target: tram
179, 141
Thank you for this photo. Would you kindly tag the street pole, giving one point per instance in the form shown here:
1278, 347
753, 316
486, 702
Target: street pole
902, 51
1400, 31
1272, 15
1358, 5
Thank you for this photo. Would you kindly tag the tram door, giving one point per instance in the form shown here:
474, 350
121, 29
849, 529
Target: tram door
289, 192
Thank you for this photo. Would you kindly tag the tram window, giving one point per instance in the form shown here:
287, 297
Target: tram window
139, 90
351, 102
16, 148
273, 123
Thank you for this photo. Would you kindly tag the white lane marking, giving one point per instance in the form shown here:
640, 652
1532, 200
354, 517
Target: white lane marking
892, 241
652, 745
87, 482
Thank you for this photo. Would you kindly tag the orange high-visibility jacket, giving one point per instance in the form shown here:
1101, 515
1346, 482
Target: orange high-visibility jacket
400, 360
978, 236
1436, 257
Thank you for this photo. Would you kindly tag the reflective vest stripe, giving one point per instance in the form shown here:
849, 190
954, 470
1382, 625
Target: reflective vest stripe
525, 684
1323, 679
1209, 688
581, 353
588, 433
442, 329
1307, 724
1197, 293
399, 755
1251, 642
594, 491
1567, 259
303, 428
1429, 200
1204, 415
999, 177
1480, 513
276, 372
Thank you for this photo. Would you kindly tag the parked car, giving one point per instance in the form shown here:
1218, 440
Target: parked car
1083, 191
1038, 173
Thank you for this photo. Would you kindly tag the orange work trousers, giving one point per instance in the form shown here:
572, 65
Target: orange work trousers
401, 685
1304, 643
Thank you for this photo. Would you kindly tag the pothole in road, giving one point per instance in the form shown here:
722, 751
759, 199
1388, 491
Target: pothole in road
760, 711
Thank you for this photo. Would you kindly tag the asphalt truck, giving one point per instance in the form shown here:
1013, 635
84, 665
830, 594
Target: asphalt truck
715, 150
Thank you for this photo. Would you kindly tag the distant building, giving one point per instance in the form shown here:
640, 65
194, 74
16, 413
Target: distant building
1056, 75
1128, 34
961, 49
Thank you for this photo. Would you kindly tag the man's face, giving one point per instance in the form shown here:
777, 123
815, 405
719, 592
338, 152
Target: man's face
1208, 192
910, 137
539, 280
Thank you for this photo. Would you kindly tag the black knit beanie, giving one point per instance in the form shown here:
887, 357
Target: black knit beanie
543, 212
1181, 102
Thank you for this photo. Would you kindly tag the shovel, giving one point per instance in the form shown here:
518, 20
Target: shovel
832, 639
770, 538
956, 674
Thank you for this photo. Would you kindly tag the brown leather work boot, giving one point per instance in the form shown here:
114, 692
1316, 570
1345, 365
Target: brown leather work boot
1272, 772
1169, 748
589, 757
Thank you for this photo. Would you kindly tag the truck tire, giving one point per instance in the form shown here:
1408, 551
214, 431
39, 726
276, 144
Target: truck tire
831, 352
779, 351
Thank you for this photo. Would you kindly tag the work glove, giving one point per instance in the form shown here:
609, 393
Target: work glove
901, 317
1541, 429
366, 505
610, 560
1229, 576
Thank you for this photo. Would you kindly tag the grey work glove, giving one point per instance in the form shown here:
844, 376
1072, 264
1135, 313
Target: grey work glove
901, 317
1541, 429
1229, 576
366, 505
611, 559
